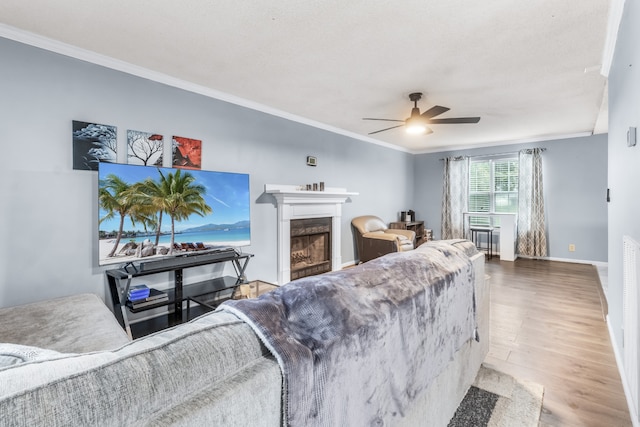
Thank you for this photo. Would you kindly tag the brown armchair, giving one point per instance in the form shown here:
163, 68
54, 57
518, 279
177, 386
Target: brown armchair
374, 238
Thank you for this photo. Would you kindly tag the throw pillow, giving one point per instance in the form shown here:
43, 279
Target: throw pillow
13, 354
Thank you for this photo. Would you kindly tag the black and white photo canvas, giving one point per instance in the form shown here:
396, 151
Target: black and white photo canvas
93, 143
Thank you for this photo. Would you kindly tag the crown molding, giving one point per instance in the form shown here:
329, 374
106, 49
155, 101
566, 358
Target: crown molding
616, 11
75, 52
509, 142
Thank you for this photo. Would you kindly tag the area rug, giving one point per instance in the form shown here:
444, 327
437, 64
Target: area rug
497, 399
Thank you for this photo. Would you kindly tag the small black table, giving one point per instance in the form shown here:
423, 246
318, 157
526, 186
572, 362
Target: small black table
489, 232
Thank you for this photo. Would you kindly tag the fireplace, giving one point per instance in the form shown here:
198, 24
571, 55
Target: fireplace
310, 247
295, 204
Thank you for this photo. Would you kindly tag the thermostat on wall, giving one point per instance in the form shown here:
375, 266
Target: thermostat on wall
312, 161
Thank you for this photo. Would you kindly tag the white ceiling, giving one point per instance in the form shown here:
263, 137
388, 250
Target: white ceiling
529, 69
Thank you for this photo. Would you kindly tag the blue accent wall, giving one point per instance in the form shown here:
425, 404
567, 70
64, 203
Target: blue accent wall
575, 187
49, 211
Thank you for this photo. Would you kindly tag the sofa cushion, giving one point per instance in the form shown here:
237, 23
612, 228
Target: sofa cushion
72, 324
132, 384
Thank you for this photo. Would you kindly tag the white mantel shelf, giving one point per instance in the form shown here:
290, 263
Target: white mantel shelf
291, 194
298, 204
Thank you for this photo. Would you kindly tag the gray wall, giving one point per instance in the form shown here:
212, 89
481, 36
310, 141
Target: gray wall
49, 211
575, 186
624, 162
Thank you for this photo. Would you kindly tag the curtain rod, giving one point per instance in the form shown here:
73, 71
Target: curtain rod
497, 154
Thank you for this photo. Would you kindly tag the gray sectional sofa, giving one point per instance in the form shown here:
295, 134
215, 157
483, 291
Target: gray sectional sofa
67, 362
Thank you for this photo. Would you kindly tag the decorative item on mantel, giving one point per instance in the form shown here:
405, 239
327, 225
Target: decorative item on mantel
312, 187
299, 190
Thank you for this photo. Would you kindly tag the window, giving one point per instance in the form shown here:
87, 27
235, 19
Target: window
493, 187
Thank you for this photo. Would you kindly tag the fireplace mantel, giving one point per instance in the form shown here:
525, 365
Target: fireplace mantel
297, 204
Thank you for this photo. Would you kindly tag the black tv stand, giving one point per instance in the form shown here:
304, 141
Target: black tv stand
119, 280
128, 265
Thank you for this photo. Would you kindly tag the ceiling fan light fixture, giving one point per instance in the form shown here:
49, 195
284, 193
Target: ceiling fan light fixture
415, 126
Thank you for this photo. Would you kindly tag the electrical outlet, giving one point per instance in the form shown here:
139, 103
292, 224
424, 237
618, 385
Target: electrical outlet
572, 247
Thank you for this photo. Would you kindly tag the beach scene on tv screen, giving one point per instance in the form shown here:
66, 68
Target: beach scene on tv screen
148, 213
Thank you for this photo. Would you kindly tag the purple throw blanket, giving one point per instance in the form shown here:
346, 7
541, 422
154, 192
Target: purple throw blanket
357, 346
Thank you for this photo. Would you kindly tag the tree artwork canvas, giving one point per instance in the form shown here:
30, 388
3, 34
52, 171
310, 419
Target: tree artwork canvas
93, 143
187, 153
144, 148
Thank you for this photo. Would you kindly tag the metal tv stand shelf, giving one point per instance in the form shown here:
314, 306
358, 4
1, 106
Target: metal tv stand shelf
120, 281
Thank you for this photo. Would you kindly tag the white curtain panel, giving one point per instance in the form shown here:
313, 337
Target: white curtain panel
454, 197
532, 238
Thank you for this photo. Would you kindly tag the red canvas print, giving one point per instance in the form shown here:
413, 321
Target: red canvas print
187, 153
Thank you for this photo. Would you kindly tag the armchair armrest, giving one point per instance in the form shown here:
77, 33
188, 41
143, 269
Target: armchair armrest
380, 236
375, 244
409, 234
402, 240
374, 239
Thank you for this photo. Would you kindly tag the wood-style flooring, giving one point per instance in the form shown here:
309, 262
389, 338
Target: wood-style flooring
547, 326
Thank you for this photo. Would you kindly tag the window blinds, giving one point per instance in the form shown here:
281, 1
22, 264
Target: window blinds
493, 187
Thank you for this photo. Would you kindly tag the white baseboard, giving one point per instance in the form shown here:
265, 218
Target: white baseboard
576, 261
634, 416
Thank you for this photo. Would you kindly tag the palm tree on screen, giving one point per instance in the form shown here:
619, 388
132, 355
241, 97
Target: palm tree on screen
118, 198
181, 198
153, 193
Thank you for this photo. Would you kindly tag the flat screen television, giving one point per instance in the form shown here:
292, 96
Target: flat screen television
148, 213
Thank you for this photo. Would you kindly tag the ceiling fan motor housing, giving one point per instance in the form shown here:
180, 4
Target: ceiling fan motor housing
415, 96
418, 123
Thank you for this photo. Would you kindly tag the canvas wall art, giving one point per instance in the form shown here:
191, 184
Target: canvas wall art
144, 148
93, 143
187, 153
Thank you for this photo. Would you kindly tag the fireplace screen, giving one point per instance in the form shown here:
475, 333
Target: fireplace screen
310, 247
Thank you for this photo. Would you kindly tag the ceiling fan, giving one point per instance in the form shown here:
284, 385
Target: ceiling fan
417, 123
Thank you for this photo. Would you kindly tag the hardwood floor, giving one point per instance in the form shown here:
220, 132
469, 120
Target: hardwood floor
547, 326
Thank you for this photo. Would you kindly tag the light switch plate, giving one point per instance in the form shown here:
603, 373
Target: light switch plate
631, 137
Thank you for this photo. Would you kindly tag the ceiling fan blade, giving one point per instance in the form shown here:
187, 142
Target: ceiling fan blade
384, 120
436, 110
454, 120
382, 130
